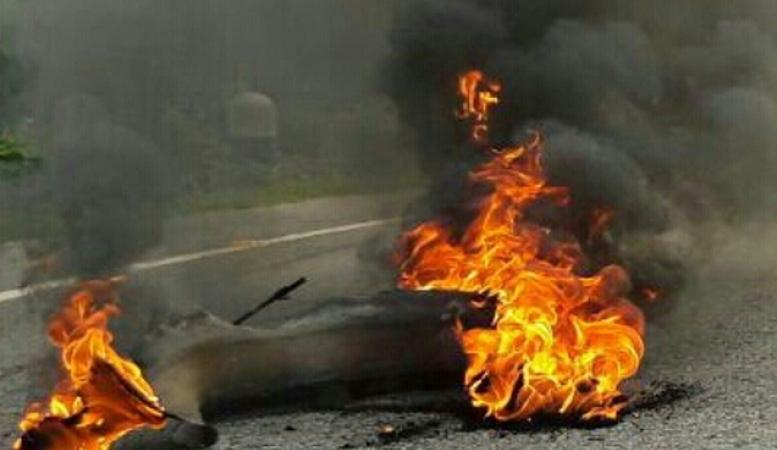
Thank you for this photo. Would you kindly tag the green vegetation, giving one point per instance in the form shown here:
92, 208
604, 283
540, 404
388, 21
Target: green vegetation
11, 151
15, 157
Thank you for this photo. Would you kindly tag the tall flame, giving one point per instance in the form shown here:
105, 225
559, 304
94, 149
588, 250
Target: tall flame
103, 395
560, 344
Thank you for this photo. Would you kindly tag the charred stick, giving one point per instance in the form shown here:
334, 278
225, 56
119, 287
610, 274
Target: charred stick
175, 417
280, 294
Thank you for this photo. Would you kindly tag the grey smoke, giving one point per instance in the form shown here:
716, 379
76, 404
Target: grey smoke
142, 57
111, 85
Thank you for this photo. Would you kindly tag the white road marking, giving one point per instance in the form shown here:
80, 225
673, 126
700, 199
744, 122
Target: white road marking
239, 247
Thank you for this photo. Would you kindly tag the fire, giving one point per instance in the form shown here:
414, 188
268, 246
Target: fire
600, 221
651, 294
478, 96
103, 395
560, 344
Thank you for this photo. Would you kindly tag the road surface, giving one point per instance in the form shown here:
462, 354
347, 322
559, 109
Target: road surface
718, 345
716, 351
222, 262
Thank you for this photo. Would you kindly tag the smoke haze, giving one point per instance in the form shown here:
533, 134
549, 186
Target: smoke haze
128, 102
663, 113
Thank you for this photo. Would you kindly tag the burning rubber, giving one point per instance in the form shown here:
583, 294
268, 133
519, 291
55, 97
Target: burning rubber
560, 342
203, 363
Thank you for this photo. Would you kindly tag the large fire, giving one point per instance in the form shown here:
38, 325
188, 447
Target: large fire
103, 395
560, 344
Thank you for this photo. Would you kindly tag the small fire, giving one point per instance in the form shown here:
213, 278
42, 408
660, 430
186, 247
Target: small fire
651, 294
600, 221
560, 344
478, 96
103, 395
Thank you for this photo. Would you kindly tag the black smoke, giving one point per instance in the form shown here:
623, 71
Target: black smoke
110, 187
662, 111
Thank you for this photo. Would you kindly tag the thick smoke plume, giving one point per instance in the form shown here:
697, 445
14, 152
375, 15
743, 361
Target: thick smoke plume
110, 186
662, 111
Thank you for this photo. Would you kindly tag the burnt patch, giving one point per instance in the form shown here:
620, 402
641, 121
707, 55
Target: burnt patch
453, 408
659, 394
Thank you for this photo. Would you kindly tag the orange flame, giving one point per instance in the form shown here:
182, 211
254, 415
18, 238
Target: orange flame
478, 96
560, 344
651, 294
600, 221
104, 395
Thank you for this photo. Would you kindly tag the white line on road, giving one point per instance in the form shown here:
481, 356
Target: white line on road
238, 247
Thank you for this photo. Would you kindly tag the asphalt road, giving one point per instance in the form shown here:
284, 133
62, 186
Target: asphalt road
717, 347
225, 263
715, 356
